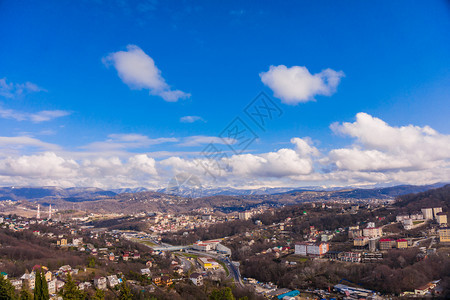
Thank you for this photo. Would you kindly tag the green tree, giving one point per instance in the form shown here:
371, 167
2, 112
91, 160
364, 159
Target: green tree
222, 294
125, 292
99, 295
6, 289
44, 290
40, 287
37, 285
91, 263
71, 291
25, 294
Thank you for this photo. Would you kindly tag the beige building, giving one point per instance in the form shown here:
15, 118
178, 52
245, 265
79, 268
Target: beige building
441, 218
444, 234
51, 286
62, 242
436, 210
361, 241
402, 243
373, 232
245, 215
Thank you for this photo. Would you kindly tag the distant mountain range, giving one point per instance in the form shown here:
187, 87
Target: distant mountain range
77, 194
81, 194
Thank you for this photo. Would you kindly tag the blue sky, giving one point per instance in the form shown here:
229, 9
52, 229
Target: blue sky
88, 90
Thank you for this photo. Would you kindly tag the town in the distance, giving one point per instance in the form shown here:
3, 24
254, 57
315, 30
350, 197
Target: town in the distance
300, 244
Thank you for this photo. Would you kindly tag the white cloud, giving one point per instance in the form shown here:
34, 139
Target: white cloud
41, 116
138, 71
13, 90
296, 84
282, 163
191, 119
127, 141
197, 140
47, 115
380, 154
20, 142
380, 146
47, 165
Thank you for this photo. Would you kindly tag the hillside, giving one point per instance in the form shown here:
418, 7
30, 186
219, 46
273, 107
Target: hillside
439, 197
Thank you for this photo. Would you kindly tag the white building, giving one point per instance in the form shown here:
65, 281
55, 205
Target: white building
77, 241
112, 281
197, 279
311, 249
51, 286
408, 224
100, 283
201, 246
400, 218
427, 213
146, 271
17, 283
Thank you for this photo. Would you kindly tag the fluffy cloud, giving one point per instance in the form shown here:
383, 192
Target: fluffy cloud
191, 119
382, 147
41, 116
47, 164
379, 154
13, 90
138, 71
296, 84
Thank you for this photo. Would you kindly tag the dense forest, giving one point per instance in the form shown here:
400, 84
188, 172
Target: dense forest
439, 197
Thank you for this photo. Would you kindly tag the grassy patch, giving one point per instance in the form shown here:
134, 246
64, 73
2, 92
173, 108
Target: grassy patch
223, 265
188, 254
148, 243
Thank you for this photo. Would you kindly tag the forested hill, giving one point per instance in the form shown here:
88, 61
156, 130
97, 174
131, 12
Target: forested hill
439, 197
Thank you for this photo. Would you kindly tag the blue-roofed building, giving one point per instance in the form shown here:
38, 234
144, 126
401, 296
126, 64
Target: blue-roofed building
289, 294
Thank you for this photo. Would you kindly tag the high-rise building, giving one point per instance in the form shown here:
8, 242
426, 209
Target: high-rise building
50, 212
427, 213
436, 210
441, 218
38, 214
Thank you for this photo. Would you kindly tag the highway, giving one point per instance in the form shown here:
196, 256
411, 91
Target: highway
232, 269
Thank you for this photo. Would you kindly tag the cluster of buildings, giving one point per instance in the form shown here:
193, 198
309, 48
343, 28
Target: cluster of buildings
212, 245
311, 249
428, 214
414, 220
160, 223
55, 279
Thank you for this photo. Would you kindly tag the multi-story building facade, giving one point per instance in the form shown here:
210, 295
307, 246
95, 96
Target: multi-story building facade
386, 244
427, 213
444, 235
372, 232
311, 249
441, 218
401, 243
